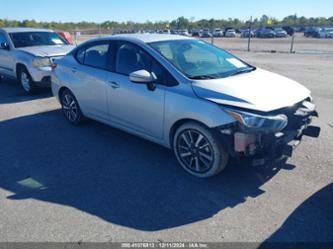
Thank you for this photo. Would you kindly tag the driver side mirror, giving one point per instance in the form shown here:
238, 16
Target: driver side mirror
4, 45
143, 77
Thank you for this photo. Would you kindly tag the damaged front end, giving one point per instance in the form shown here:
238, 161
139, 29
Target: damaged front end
269, 136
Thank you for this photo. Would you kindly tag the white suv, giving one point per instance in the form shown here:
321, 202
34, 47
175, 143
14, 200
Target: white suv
27, 54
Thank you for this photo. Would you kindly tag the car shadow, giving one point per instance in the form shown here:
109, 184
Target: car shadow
12, 92
118, 177
309, 226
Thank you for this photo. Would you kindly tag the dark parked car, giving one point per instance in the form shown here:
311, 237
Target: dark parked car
265, 33
290, 31
174, 31
196, 32
312, 32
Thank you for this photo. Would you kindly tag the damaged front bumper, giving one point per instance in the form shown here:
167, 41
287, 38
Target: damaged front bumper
270, 148
262, 147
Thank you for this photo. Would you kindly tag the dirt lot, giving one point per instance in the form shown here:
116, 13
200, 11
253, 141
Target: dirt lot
95, 183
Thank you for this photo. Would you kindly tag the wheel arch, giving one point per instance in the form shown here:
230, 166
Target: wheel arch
61, 90
19, 65
178, 124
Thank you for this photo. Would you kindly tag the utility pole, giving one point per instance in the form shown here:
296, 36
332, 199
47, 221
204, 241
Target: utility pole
293, 37
212, 33
249, 39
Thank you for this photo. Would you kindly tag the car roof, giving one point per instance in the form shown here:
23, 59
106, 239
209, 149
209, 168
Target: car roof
15, 30
146, 38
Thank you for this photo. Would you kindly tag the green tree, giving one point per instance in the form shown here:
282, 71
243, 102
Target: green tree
263, 20
182, 22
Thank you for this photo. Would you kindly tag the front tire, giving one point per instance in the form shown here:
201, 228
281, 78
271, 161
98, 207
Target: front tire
199, 150
71, 108
26, 81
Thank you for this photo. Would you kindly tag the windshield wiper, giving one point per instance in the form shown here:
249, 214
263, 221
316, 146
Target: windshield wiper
202, 77
244, 70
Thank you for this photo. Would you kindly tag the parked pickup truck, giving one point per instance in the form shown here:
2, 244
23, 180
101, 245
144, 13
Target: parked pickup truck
27, 54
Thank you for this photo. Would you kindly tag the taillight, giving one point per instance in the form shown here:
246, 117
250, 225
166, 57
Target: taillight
53, 66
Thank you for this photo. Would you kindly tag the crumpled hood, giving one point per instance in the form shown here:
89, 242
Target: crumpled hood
258, 90
43, 51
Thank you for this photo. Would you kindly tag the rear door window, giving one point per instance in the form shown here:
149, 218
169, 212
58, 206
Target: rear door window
94, 55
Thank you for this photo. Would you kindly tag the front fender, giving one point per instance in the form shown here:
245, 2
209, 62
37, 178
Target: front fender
23, 59
179, 107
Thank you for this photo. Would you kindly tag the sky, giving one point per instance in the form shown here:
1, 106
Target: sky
158, 10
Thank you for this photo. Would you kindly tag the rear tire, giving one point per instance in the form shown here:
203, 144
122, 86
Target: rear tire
71, 108
199, 150
26, 81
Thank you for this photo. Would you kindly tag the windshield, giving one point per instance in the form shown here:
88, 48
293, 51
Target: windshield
200, 60
30, 39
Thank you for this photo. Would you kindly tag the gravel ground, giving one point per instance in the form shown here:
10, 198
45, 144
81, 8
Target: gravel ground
95, 183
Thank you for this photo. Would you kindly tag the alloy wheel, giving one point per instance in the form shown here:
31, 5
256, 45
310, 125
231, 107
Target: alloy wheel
25, 81
195, 151
70, 107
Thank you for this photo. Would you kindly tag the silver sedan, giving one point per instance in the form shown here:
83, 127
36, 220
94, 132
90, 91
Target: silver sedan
185, 94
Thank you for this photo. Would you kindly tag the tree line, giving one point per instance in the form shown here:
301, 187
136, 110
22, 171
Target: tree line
179, 23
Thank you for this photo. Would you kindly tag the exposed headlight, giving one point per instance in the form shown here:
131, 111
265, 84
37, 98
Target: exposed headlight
41, 62
259, 122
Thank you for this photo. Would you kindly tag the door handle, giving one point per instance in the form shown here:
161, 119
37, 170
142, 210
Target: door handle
113, 84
